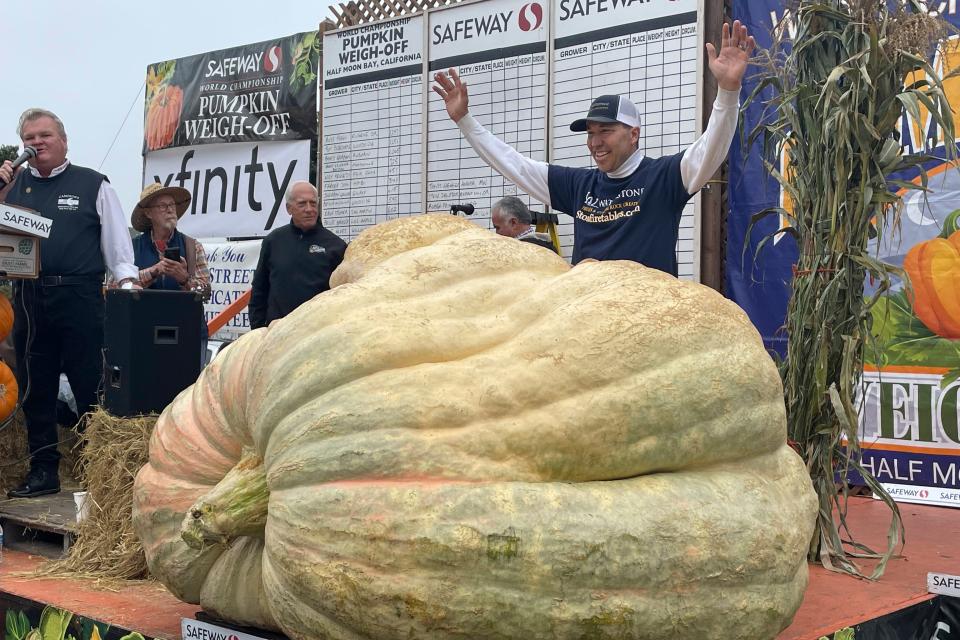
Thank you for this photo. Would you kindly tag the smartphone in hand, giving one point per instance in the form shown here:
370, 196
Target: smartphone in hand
172, 253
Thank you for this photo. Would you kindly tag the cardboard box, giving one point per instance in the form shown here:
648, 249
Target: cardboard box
20, 232
19, 256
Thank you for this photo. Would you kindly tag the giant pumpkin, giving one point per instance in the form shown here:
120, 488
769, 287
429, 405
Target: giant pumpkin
466, 438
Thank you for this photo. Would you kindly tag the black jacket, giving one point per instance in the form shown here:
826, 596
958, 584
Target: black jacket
540, 242
294, 266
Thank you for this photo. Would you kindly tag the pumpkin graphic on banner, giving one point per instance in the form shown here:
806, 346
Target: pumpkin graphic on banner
909, 397
165, 101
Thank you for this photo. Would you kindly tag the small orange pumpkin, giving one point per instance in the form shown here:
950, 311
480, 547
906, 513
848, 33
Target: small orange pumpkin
8, 391
6, 317
934, 270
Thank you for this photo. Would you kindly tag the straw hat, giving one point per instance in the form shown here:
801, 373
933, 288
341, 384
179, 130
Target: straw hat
139, 219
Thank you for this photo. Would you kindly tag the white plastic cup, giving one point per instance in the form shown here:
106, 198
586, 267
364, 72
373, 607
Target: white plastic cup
82, 502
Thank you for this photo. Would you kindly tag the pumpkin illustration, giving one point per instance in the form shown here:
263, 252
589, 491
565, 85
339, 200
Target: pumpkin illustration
468, 438
6, 317
934, 270
163, 116
8, 391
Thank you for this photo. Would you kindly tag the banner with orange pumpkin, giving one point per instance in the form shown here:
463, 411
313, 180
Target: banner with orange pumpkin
909, 420
910, 425
265, 91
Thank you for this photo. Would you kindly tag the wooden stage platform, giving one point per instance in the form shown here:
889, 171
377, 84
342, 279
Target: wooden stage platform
832, 602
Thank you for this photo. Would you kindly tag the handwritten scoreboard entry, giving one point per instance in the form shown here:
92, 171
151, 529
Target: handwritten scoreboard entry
390, 150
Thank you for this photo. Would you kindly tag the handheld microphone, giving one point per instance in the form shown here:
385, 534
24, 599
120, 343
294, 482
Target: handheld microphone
28, 152
466, 209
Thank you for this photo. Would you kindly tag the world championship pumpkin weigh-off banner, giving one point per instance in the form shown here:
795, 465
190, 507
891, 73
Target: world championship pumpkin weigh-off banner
261, 91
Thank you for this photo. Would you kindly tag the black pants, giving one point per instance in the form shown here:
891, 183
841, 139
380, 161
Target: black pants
63, 325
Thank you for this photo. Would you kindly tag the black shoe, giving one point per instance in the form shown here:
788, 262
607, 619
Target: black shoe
37, 483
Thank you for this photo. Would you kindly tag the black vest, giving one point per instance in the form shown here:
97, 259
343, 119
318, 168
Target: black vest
70, 200
145, 255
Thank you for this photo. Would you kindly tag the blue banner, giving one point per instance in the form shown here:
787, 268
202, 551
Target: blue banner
758, 281
909, 411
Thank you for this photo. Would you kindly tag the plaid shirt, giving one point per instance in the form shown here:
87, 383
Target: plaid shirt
200, 281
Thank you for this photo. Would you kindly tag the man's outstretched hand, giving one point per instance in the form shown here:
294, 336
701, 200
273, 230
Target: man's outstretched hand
454, 93
729, 65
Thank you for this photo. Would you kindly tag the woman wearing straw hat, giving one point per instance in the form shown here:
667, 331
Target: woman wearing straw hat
156, 215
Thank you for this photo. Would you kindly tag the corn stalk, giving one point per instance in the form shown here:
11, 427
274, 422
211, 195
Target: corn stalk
839, 93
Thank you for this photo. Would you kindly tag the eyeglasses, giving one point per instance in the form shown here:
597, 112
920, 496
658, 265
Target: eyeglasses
170, 206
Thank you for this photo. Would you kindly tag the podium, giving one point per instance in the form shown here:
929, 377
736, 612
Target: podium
152, 348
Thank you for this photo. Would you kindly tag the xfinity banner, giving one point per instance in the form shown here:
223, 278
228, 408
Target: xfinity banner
262, 91
238, 189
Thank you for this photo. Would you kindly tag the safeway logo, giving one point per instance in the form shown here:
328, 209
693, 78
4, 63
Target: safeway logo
530, 16
924, 493
273, 59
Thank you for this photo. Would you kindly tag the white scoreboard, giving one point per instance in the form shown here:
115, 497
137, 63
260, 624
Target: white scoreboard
390, 150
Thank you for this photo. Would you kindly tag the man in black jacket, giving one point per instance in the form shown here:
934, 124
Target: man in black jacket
296, 260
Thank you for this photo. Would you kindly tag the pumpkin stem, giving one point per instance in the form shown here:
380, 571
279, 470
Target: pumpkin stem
236, 507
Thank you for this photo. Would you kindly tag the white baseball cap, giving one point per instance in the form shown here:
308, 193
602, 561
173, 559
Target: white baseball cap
609, 109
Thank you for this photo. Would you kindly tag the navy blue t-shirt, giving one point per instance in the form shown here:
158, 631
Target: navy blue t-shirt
634, 218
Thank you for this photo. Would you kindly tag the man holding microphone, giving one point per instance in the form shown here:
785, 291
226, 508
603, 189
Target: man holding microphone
58, 323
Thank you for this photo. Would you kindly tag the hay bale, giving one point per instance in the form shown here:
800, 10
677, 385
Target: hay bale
106, 547
15, 460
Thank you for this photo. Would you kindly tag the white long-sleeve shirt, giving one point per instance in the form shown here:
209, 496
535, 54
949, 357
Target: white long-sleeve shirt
701, 160
114, 237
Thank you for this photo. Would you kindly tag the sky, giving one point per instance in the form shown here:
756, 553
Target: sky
87, 62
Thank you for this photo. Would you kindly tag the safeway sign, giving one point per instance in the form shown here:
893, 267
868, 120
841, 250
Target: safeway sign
944, 584
196, 630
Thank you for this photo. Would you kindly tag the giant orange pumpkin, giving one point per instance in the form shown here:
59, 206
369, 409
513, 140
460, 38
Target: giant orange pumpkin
467, 438
934, 270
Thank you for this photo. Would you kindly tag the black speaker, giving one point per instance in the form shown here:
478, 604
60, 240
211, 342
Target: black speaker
153, 348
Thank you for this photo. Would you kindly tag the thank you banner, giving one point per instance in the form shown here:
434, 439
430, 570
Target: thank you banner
231, 267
